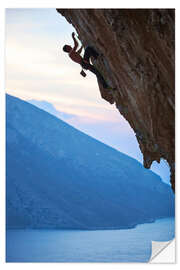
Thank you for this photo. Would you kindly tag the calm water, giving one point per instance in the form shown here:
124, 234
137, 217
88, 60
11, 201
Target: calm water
132, 245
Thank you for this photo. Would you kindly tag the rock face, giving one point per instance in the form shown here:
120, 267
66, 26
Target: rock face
137, 49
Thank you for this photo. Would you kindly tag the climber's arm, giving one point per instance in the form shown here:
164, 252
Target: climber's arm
80, 50
75, 42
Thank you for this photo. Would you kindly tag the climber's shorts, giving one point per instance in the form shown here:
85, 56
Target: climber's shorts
89, 51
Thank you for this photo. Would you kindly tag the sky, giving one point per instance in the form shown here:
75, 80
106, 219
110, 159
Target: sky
38, 69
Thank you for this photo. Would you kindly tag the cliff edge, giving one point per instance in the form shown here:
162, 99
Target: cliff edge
137, 47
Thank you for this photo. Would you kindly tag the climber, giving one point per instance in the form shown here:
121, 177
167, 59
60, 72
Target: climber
74, 54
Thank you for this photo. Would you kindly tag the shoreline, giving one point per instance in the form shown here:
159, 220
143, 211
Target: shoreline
132, 226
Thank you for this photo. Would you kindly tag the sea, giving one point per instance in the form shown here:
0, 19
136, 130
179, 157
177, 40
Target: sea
127, 245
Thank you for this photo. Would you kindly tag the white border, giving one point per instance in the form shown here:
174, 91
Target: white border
70, 4
89, 4
2, 137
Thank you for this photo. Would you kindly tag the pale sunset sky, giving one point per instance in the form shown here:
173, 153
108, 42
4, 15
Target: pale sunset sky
38, 69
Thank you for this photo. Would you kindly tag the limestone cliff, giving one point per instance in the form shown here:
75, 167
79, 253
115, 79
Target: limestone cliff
137, 47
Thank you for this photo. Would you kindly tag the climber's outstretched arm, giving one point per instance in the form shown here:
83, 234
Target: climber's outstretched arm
75, 42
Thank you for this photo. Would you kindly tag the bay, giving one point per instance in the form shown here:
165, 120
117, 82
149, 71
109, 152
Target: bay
128, 245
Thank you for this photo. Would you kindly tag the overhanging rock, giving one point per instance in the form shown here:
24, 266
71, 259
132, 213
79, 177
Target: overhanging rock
137, 49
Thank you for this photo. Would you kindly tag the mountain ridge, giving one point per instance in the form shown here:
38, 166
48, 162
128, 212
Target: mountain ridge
59, 177
75, 129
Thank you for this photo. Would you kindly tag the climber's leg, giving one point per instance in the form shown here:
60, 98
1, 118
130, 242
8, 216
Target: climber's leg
98, 75
100, 78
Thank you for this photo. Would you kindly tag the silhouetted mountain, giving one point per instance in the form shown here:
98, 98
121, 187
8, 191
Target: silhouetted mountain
59, 177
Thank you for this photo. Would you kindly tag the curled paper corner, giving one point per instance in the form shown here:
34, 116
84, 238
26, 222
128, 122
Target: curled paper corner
163, 252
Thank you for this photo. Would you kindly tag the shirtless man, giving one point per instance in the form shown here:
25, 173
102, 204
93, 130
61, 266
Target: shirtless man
84, 61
